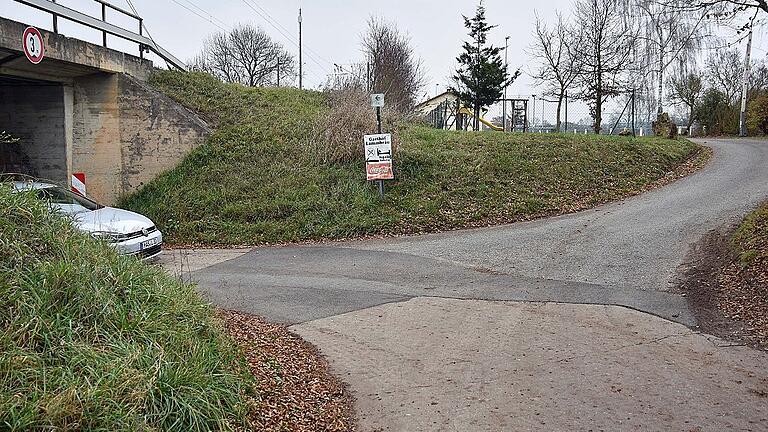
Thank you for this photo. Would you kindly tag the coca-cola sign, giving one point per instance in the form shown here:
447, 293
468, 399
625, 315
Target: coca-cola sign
378, 157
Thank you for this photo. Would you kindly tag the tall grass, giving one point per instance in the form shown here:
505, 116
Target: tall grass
93, 341
255, 181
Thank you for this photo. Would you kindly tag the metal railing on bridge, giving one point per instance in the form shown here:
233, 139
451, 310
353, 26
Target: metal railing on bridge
145, 43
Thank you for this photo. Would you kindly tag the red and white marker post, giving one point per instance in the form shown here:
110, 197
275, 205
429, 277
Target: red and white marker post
78, 183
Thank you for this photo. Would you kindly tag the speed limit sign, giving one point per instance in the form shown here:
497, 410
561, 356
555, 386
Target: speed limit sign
32, 42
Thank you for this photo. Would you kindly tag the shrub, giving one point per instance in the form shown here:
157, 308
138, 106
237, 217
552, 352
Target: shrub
757, 114
717, 113
338, 134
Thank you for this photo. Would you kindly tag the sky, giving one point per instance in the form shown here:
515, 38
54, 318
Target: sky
331, 29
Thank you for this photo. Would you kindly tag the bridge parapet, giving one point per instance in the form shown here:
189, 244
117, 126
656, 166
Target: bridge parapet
65, 58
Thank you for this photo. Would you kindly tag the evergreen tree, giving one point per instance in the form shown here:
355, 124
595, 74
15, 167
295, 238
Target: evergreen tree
482, 75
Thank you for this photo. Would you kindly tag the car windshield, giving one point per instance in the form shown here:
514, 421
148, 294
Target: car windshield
67, 201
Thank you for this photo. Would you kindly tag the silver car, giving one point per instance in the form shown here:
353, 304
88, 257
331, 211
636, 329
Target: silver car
128, 232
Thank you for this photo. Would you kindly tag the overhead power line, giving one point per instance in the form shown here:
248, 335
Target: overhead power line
288, 33
212, 16
201, 16
271, 21
144, 26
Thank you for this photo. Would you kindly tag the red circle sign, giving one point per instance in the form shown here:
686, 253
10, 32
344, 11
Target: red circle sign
32, 42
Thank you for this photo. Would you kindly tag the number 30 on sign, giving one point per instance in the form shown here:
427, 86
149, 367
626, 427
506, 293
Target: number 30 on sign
32, 42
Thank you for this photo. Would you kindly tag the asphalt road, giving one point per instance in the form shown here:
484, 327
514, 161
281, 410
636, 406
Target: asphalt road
471, 330
626, 253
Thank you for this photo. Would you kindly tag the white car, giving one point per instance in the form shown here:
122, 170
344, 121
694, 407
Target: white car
128, 232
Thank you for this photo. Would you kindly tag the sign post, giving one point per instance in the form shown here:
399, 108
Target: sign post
377, 101
32, 43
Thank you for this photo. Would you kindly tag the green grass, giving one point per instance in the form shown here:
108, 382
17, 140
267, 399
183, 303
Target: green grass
254, 183
93, 341
751, 239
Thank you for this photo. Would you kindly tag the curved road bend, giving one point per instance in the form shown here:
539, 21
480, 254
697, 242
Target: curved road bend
626, 253
430, 332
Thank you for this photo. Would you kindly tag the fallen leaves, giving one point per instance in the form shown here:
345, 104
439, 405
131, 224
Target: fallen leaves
743, 296
729, 293
294, 386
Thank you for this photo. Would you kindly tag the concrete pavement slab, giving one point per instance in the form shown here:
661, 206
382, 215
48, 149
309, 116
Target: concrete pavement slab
296, 284
433, 364
181, 262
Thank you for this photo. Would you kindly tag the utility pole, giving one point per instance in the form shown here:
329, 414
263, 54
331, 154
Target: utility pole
506, 67
743, 113
368, 84
278, 71
301, 64
634, 113
477, 89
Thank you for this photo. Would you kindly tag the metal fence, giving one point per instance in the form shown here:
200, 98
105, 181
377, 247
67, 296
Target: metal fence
624, 113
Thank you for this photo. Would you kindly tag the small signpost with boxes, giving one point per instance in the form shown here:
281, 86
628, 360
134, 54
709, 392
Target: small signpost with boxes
378, 150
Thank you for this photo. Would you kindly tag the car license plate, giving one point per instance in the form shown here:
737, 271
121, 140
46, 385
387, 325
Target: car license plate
150, 243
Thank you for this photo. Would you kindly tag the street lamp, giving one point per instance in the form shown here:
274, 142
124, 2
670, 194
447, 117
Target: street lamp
533, 114
506, 66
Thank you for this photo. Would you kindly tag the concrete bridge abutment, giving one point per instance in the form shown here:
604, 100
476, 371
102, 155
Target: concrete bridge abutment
88, 109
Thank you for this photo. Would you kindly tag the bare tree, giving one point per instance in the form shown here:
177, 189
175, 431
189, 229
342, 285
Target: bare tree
758, 80
725, 71
246, 55
559, 67
686, 87
668, 33
720, 6
738, 14
392, 67
605, 50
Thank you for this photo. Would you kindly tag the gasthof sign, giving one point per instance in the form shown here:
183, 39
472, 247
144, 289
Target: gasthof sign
378, 157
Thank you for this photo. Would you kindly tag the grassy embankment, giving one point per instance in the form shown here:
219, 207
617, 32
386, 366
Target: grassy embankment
93, 341
90, 340
259, 179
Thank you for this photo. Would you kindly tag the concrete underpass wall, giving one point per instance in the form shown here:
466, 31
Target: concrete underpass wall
96, 145
126, 133
156, 132
37, 114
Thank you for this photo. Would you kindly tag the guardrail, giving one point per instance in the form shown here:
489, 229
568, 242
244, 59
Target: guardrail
145, 43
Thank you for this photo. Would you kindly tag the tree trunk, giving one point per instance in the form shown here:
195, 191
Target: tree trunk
560, 98
477, 116
599, 104
661, 82
598, 114
690, 120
